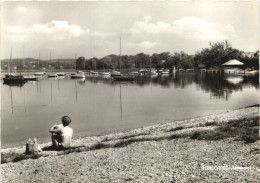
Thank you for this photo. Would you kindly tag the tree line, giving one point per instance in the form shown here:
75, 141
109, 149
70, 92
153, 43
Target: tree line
212, 57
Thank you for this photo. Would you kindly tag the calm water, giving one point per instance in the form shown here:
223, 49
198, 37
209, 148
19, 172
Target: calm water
98, 105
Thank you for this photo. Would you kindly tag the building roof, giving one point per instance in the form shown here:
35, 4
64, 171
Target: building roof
233, 62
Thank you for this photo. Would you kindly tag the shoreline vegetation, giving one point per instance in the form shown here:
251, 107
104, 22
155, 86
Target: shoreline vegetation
207, 58
242, 128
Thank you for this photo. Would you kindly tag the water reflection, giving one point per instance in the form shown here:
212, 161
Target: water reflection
234, 79
216, 84
97, 104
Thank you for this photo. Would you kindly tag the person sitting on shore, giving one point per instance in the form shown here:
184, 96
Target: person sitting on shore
61, 134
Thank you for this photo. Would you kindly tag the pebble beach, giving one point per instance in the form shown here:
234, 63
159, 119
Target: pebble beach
159, 153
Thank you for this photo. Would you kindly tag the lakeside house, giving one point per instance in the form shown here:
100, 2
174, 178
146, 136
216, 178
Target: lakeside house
234, 67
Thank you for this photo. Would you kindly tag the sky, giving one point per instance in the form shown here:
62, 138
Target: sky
93, 29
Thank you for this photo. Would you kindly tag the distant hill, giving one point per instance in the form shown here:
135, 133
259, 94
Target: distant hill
32, 63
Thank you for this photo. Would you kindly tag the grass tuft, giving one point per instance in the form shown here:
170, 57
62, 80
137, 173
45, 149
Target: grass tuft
244, 129
195, 135
176, 128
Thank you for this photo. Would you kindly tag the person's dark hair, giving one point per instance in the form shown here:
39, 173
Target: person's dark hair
66, 120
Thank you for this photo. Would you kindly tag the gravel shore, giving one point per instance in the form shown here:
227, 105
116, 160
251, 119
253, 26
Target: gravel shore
158, 153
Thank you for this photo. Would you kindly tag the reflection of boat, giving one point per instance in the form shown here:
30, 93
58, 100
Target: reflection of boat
15, 84
125, 77
61, 74
154, 75
10, 78
235, 79
78, 75
105, 76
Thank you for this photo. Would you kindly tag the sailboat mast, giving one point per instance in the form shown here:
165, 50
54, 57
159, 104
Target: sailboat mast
120, 56
50, 59
39, 61
75, 61
23, 58
9, 60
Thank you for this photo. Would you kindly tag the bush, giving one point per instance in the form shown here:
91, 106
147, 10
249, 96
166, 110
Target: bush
195, 135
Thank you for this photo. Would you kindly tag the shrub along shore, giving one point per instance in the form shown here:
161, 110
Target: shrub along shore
187, 150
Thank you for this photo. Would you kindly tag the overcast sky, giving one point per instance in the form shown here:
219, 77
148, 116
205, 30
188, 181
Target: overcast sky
93, 29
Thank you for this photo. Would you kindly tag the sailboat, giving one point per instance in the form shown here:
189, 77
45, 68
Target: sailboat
61, 73
10, 78
79, 75
39, 73
115, 73
52, 75
29, 77
104, 73
119, 76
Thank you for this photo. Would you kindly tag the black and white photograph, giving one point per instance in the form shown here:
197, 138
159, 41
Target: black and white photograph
129, 91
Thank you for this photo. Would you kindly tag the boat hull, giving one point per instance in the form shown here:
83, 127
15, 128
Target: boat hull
77, 76
115, 75
9, 79
31, 79
104, 73
61, 74
52, 76
123, 78
39, 73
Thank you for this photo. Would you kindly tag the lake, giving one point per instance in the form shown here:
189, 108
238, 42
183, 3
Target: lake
99, 105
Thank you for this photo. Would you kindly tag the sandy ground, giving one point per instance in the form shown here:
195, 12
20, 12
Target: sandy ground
150, 157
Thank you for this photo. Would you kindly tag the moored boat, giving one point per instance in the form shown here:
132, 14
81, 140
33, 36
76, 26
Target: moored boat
93, 72
39, 73
115, 73
52, 75
135, 72
104, 73
164, 71
124, 77
153, 72
61, 74
30, 78
11, 79
78, 75
251, 72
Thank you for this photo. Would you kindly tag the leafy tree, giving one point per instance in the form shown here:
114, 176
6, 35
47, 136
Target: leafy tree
80, 63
